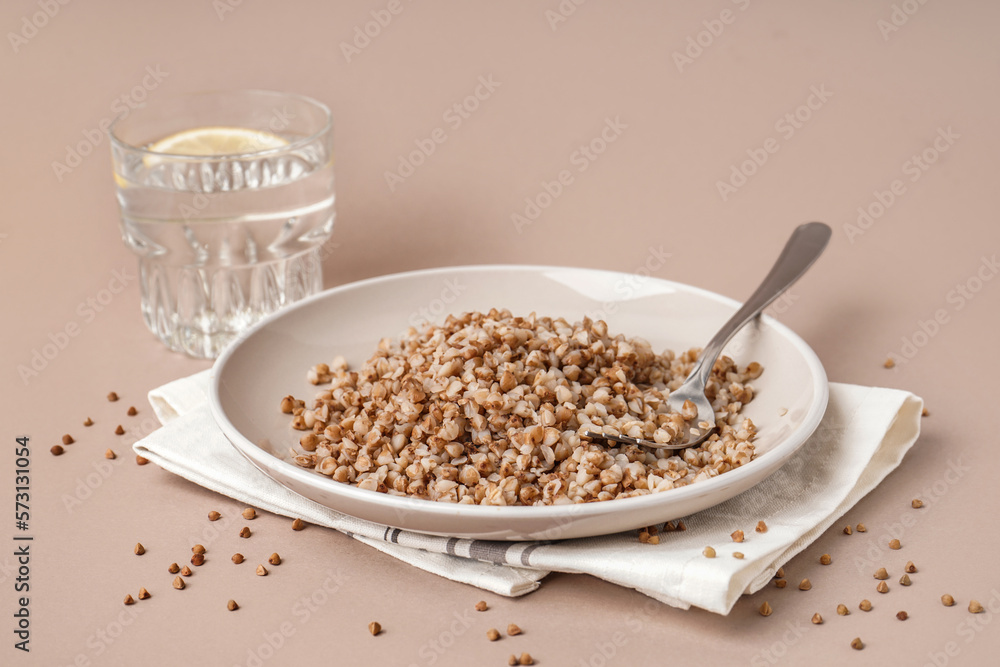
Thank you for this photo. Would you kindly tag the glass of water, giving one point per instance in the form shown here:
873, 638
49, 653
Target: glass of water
227, 199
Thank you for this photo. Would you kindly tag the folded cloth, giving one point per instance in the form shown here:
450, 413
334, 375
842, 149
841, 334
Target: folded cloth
862, 438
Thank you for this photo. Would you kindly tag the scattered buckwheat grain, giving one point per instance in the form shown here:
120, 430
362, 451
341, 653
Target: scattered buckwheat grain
708, 552
512, 630
214, 516
232, 606
481, 605
129, 600
57, 450
882, 587
737, 536
910, 567
975, 607
261, 571
237, 558
805, 585
493, 634
865, 605
905, 580
88, 422
761, 527
112, 397
895, 544
842, 610
525, 659
375, 628
298, 524
174, 568
848, 530
144, 594
68, 439
947, 600
738, 554
902, 615
178, 583
857, 644
274, 559
139, 549
825, 559
245, 532
889, 363
861, 528
780, 583
197, 549
197, 559
186, 571
132, 412
817, 619
881, 573
109, 454
249, 514
765, 609
141, 460
119, 430
916, 503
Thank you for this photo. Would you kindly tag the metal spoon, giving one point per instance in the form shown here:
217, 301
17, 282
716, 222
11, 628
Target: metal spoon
803, 248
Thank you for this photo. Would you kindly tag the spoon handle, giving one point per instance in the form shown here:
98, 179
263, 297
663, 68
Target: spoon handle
804, 246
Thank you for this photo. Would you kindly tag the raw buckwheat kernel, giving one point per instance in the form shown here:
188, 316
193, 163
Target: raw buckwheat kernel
805, 585
910, 567
186, 571
925, 413
481, 605
916, 503
975, 607
141, 460
132, 412
842, 610
861, 528
298, 524
261, 571
905, 580
144, 594
738, 554
765, 609
881, 573
817, 619
493, 634
197, 549
245, 532
139, 549
214, 516
865, 605
848, 530
889, 363
374, 627
57, 450
512, 630
119, 430
681, 526
525, 659
174, 568
947, 600
894, 544
232, 606
761, 527
112, 397
780, 574
654, 539
902, 615
249, 514
68, 439
274, 559
129, 600
709, 552
737, 536
882, 587
178, 583
857, 644
237, 558
825, 559
197, 560
88, 422
512, 660
109, 454
780, 583
492, 409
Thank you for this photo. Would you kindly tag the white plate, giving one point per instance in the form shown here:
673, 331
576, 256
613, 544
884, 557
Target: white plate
271, 361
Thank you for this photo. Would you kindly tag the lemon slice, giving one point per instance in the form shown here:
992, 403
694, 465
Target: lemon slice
211, 141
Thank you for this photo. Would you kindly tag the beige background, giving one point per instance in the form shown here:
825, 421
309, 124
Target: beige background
890, 94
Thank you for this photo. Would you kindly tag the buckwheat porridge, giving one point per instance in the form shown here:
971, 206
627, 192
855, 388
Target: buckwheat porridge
489, 409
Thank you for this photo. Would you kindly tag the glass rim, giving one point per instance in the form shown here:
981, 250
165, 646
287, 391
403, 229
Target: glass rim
298, 143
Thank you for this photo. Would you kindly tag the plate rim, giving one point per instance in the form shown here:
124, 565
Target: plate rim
782, 451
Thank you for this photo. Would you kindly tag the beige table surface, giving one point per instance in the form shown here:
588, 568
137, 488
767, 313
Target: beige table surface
885, 80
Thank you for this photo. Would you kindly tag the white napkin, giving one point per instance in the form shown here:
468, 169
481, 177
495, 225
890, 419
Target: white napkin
863, 436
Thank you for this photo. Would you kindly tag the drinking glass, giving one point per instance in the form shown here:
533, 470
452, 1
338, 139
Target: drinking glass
226, 198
